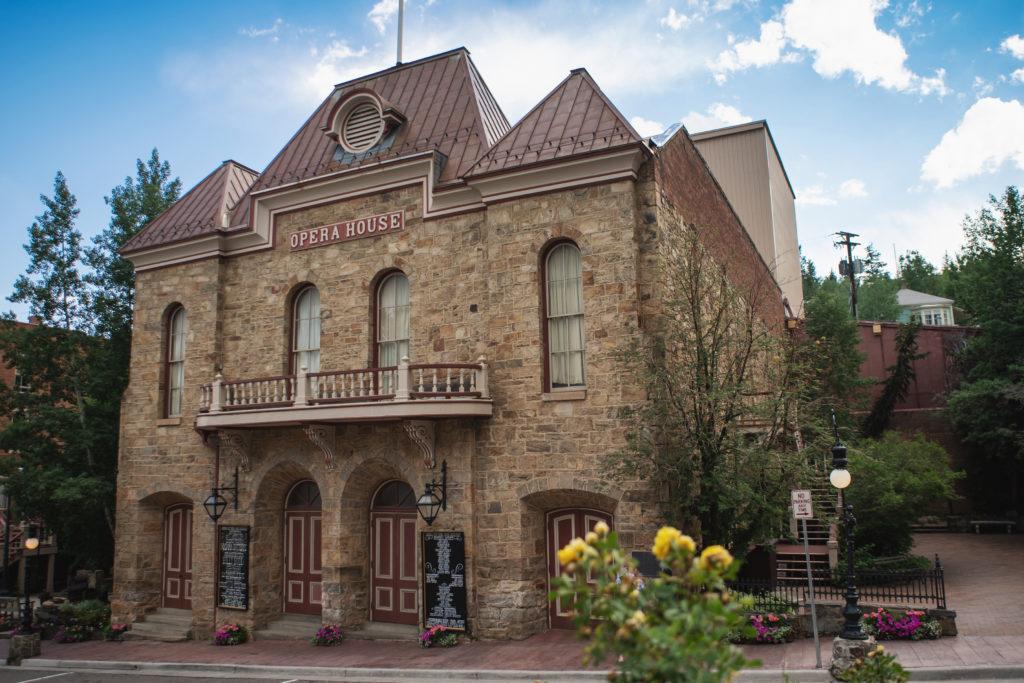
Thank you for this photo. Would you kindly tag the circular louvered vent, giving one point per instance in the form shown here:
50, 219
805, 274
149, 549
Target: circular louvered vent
362, 128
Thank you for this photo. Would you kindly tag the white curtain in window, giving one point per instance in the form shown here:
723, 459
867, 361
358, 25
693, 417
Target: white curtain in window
175, 362
566, 357
306, 343
392, 320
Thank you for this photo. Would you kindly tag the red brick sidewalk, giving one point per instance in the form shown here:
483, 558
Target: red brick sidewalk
552, 651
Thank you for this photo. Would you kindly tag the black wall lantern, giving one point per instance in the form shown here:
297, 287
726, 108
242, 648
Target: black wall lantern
430, 503
215, 503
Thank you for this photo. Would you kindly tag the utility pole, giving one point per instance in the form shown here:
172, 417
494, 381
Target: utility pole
845, 239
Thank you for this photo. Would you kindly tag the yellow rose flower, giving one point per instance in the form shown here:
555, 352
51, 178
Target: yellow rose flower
601, 528
669, 538
566, 555
573, 551
591, 537
715, 556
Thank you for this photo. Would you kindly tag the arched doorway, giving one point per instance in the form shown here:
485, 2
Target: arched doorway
563, 526
393, 587
177, 583
302, 562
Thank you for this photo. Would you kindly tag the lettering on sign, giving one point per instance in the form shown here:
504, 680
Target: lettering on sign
347, 230
444, 579
233, 568
801, 500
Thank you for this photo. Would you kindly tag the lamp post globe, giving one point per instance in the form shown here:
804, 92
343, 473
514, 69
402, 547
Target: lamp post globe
840, 479
429, 504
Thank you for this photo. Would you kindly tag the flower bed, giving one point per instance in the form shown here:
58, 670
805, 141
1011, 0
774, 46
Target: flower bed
231, 634
439, 636
911, 626
768, 628
328, 634
115, 632
72, 634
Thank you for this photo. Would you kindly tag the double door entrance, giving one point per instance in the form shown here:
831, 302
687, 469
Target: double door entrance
393, 586
562, 527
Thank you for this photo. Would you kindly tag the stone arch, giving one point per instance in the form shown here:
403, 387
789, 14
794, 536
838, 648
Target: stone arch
362, 474
275, 479
536, 498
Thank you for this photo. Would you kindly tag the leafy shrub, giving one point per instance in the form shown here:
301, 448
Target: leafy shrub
769, 627
72, 634
674, 627
439, 636
911, 626
231, 634
328, 634
115, 632
877, 667
895, 481
90, 614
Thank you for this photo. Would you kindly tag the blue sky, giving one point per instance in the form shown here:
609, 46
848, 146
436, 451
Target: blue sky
893, 119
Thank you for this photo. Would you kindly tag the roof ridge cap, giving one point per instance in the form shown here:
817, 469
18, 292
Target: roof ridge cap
400, 66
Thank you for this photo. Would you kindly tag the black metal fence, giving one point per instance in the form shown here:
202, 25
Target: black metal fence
880, 587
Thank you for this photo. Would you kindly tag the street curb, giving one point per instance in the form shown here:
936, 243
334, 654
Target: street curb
360, 674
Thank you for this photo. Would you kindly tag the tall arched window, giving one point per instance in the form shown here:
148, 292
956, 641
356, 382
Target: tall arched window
175, 371
392, 319
564, 311
306, 330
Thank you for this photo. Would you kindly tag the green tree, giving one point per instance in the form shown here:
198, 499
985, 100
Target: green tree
895, 481
918, 274
876, 299
896, 385
809, 277
65, 441
874, 266
831, 351
711, 368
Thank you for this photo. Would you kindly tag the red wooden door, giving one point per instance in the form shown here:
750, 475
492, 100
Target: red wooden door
302, 539
178, 557
562, 527
393, 587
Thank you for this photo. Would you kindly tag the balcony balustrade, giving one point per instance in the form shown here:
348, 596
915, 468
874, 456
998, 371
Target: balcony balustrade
405, 391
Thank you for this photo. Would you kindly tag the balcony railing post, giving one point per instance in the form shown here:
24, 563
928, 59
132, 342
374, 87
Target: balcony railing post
402, 381
481, 379
301, 386
217, 399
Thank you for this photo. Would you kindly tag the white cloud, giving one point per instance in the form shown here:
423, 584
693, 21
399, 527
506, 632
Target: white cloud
1014, 45
911, 14
381, 13
1018, 75
272, 31
767, 49
718, 115
646, 127
990, 134
981, 87
813, 195
674, 20
853, 188
843, 37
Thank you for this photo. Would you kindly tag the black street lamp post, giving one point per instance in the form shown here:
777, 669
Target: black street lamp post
840, 478
31, 542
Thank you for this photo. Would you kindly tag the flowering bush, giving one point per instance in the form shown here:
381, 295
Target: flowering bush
328, 634
115, 632
911, 626
439, 636
674, 627
770, 627
72, 634
231, 634
877, 667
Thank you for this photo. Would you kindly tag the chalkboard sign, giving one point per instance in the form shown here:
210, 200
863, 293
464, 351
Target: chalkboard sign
444, 579
233, 567
647, 564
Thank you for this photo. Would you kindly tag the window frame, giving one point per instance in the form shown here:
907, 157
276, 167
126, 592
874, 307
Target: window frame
545, 256
293, 327
375, 339
173, 314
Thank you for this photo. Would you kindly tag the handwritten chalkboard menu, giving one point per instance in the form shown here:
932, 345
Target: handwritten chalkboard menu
233, 568
647, 564
444, 579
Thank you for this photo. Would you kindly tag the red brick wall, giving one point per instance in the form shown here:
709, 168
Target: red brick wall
685, 180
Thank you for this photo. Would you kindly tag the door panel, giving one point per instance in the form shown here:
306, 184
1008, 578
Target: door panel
302, 593
393, 550
177, 588
562, 527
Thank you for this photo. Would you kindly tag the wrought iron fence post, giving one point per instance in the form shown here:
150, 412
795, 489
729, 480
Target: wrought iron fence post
940, 582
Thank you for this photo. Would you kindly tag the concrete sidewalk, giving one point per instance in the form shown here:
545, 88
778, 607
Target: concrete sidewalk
552, 656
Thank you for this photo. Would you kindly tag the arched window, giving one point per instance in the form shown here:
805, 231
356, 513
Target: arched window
175, 370
306, 330
392, 319
563, 306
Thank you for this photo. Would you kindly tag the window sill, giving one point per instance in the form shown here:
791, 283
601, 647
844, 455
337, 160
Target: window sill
168, 422
566, 395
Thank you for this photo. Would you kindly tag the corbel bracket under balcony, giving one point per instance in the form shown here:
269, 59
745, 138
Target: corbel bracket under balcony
422, 434
322, 437
236, 443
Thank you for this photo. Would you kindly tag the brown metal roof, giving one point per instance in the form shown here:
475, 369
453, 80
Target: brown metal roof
575, 118
199, 211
